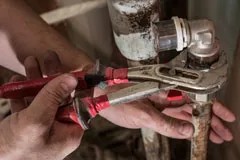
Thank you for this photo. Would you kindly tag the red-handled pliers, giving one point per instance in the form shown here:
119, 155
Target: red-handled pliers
81, 110
28, 88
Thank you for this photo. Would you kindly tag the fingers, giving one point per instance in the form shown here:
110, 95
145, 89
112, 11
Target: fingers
142, 115
17, 104
179, 113
216, 124
219, 131
223, 112
32, 68
215, 138
33, 71
182, 113
168, 126
45, 104
52, 64
223, 132
160, 100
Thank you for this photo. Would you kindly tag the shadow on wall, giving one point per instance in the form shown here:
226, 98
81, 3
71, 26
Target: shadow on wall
225, 15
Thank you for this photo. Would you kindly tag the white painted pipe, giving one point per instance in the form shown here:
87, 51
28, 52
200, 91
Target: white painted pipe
131, 21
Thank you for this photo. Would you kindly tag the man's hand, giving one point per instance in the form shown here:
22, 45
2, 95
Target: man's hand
169, 119
33, 132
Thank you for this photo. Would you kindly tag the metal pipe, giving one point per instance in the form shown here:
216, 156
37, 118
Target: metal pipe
166, 35
179, 33
156, 146
202, 110
132, 22
132, 27
140, 37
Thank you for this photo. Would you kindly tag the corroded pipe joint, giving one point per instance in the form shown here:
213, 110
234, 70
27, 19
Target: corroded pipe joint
204, 48
171, 34
196, 35
179, 33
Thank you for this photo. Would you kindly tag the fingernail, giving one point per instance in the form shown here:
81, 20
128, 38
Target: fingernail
229, 138
69, 83
186, 129
233, 118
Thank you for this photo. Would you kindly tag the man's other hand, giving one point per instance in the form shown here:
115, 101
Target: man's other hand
172, 119
32, 132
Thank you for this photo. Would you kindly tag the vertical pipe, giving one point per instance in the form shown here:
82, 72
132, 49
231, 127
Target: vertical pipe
133, 33
201, 122
156, 146
132, 27
202, 110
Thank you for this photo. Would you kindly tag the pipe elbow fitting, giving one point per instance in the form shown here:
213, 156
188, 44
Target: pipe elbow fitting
202, 32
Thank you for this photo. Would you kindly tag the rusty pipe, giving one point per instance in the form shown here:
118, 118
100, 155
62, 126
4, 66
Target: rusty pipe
202, 110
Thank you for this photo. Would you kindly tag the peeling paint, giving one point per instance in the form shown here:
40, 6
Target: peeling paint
132, 6
132, 26
135, 47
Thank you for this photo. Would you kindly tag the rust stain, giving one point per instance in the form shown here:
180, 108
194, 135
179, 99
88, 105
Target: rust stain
125, 23
201, 119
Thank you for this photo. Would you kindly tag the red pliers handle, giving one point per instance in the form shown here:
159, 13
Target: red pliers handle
22, 89
17, 90
29, 88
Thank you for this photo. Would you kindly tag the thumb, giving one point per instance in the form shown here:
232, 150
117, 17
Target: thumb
44, 107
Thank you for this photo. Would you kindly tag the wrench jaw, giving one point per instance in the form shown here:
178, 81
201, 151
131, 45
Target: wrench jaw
212, 81
87, 108
190, 81
82, 113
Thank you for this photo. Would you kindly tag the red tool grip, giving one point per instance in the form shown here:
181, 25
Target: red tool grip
67, 114
17, 90
70, 115
76, 113
95, 105
116, 76
174, 95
